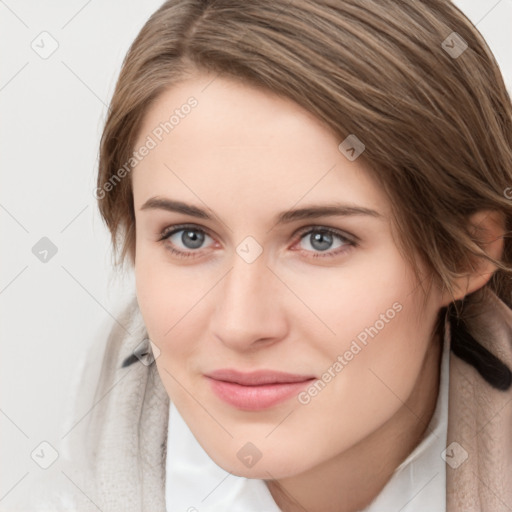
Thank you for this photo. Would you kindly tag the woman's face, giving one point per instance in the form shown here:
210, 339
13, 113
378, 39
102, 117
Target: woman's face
238, 270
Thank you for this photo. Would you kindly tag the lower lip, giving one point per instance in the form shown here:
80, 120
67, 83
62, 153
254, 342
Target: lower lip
256, 398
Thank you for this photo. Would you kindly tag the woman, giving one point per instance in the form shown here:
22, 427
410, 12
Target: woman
312, 197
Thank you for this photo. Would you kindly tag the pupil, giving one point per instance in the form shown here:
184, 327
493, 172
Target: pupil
194, 239
321, 241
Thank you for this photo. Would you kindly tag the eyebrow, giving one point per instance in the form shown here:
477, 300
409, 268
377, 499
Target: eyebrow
309, 212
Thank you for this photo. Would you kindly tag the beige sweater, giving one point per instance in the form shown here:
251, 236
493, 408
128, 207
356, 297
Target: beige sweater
127, 426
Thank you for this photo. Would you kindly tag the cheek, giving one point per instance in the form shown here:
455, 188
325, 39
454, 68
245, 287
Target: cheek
363, 302
383, 360
172, 305
151, 296
166, 305
380, 336
161, 295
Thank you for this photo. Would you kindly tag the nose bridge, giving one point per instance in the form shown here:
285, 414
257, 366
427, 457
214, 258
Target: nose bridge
246, 287
247, 304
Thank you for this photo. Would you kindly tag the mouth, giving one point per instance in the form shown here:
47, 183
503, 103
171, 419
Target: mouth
257, 390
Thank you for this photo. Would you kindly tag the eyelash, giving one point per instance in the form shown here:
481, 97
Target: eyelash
349, 242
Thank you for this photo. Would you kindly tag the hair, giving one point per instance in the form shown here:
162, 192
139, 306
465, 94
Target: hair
436, 126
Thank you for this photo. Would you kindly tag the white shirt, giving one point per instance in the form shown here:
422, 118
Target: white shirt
194, 483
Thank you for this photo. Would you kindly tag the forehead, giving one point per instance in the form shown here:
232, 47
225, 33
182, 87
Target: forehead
213, 135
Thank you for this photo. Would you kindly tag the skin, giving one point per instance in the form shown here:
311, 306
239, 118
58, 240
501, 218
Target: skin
246, 155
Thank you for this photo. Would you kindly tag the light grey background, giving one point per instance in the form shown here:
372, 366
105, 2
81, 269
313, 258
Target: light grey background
52, 112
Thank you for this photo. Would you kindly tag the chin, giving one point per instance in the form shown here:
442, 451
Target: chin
274, 466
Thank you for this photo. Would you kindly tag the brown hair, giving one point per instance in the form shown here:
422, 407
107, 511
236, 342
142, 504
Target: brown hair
436, 122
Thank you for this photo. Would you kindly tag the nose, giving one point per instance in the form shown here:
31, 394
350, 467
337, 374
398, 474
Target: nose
249, 311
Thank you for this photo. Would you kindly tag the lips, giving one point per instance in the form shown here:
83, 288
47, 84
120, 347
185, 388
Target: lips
256, 390
257, 378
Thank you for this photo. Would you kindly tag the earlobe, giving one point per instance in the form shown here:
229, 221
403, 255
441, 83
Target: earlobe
487, 228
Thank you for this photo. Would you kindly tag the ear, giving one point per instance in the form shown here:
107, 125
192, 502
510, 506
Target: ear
488, 228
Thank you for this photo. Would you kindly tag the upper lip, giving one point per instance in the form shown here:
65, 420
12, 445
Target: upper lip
257, 378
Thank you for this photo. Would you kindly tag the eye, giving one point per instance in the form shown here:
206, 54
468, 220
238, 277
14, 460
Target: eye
184, 241
325, 240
